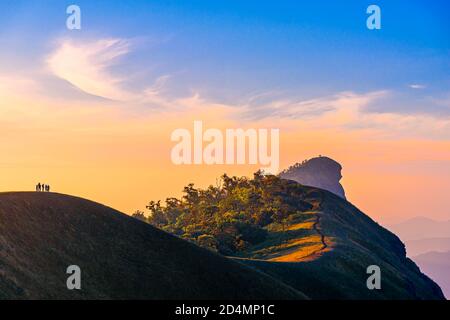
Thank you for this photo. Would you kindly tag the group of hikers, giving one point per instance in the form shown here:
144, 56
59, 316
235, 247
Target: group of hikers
42, 187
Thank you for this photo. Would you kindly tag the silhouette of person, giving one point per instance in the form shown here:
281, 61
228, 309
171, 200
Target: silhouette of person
38, 188
48, 188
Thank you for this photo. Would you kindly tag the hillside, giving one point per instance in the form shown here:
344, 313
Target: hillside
328, 258
41, 234
308, 238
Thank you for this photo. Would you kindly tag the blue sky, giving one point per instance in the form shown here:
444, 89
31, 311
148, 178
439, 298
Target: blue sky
230, 51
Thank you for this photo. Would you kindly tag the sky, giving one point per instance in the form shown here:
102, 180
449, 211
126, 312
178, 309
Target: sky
91, 111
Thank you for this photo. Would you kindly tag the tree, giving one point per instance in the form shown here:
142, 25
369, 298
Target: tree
139, 215
157, 216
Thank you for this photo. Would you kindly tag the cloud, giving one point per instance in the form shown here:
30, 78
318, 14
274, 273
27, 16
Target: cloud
347, 112
417, 86
87, 64
309, 108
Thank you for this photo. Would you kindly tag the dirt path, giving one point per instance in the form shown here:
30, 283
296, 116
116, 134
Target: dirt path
322, 236
322, 239
314, 254
296, 250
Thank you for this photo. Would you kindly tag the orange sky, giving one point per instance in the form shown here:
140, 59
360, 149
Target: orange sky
108, 153
91, 111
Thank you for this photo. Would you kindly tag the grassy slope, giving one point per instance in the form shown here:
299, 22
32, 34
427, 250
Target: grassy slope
300, 239
339, 272
120, 257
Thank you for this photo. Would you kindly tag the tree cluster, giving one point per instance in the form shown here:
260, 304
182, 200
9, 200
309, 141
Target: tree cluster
230, 217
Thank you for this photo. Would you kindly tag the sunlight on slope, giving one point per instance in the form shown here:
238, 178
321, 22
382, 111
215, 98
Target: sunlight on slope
299, 254
302, 225
300, 239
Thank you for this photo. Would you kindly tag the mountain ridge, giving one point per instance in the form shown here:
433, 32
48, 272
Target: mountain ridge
122, 258
280, 226
41, 234
354, 249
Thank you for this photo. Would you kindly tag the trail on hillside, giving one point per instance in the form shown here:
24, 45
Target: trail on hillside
300, 249
319, 232
322, 239
322, 236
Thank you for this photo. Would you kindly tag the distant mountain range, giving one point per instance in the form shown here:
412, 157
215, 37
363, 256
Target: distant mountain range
421, 228
437, 266
428, 244
417, 247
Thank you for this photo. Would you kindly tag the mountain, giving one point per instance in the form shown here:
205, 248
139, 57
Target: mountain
325, 251
320, 172
417, 247
320, 251
41, 234
308, 238
421, 228
437, 266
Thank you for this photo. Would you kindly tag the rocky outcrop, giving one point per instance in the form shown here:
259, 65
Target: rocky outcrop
320, 172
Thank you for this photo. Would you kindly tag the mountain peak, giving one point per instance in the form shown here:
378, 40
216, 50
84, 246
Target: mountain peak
320, 172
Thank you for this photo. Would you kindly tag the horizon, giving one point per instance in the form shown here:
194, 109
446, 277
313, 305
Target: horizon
90, 112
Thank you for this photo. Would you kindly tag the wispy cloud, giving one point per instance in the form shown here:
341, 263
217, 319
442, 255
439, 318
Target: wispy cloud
347, 112
309, 108
87, 66
417, 86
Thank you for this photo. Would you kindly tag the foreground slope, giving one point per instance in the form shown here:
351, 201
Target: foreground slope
41, 234
325, 252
